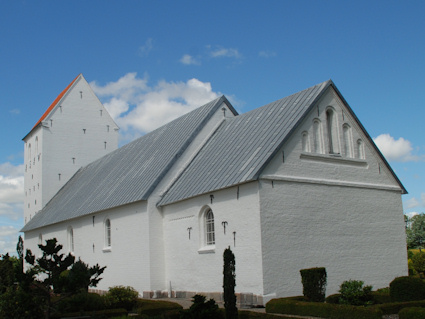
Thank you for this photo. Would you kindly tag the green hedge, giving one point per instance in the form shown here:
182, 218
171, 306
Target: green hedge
395, 307
101, 314
324, 310
245, 314
156, 307
412, 313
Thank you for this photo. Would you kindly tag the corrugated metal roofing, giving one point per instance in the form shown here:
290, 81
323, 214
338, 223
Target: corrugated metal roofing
128, 174
242, 146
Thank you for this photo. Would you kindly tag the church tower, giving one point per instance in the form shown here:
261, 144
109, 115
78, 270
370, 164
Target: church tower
74, 131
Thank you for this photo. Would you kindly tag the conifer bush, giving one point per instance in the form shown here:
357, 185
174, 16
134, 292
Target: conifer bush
314, 282
229, 283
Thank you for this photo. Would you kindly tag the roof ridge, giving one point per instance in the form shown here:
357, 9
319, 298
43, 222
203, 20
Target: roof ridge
55, 102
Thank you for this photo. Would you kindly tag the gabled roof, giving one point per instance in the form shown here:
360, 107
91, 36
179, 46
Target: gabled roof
54, 103
244, 145
128, 174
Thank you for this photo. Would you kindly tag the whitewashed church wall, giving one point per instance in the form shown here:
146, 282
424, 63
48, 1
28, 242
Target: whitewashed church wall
156, 234
33, 164
75, 133
342, 211
355, 233
193, 266
127, 259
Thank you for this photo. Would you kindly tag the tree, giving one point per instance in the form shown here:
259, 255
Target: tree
416, 233
229, 283
418, 263
59, 274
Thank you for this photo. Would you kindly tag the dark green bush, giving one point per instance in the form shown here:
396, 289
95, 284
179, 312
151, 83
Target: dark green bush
353, 293
381, 296
156, 307
314, 283
100, 314
412, 313
19, 303
333, 299
323, 310
202, 309
82, 301
121, 297
418, 262
407, 289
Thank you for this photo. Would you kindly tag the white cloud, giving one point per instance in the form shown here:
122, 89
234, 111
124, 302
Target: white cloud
189, 60
11, 190
8, 239
139, 108
15, 111
411, 214
146, 48
267, 54
395, 150
224, 52
411, 203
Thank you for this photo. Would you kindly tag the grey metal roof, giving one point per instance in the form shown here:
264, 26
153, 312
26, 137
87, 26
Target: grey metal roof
128, 174
243, 146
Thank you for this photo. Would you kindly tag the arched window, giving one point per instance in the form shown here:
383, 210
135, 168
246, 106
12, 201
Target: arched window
360, 149
331, 125
29, 152
108, 239
40, 239
305, 142
348, 145
317, 137
209, 228
70, 239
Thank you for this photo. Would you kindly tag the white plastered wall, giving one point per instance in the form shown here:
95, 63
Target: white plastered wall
156, 227
192, 266
71, 136
333, 211
127, 260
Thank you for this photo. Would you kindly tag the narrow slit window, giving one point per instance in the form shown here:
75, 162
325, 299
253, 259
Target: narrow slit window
108, 239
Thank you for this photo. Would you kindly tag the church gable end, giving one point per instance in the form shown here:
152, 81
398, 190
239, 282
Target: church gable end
331, 145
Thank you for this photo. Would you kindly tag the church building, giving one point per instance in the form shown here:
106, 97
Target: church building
295, 184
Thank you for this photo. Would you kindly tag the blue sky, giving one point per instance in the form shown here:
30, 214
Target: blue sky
176, 54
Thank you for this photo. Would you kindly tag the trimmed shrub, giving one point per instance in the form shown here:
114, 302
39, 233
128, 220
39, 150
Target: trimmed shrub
407, 289
381, 297
353, 293
323, 310
314, 283
121, 297
156, 307
100, 314
395, 307
229, 283
412, 313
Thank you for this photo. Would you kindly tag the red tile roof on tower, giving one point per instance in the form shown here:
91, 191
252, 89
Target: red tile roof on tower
55, 102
